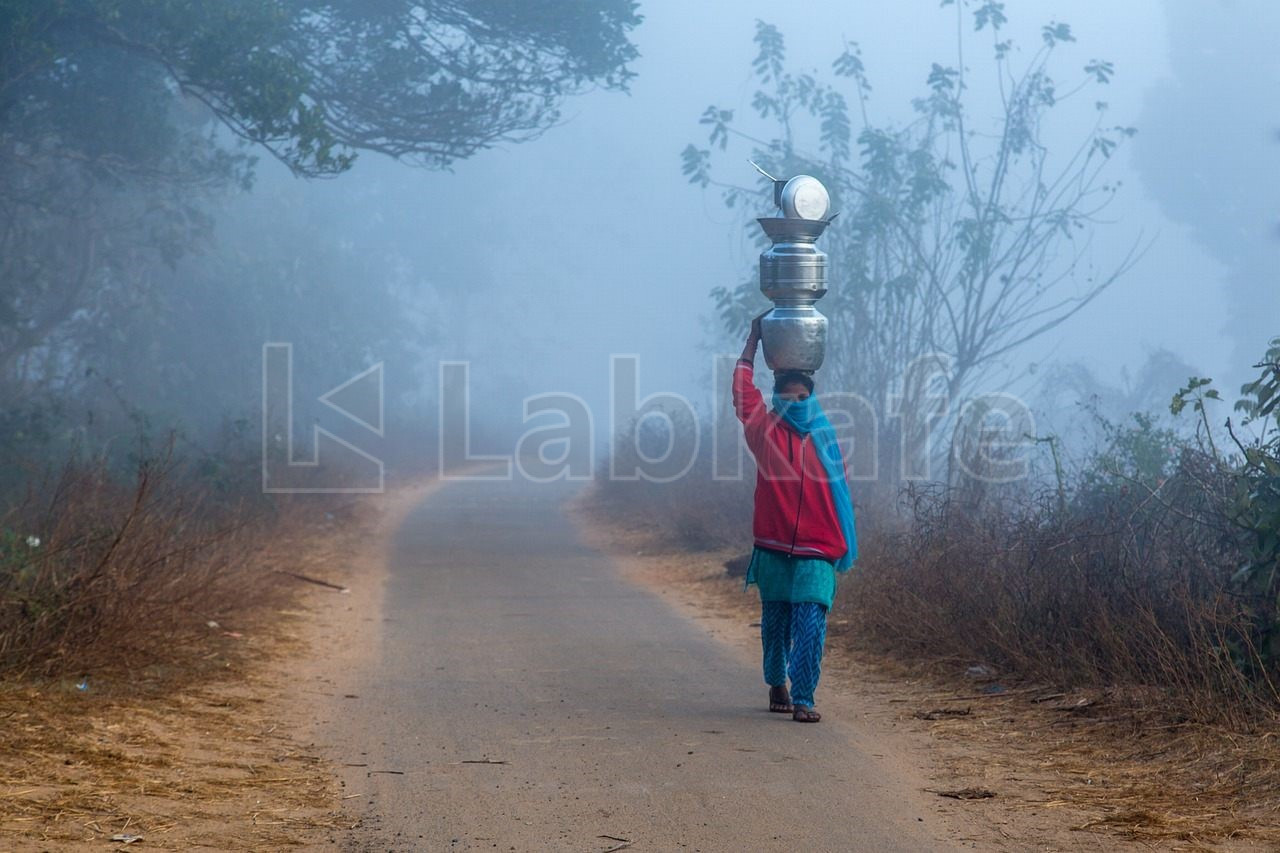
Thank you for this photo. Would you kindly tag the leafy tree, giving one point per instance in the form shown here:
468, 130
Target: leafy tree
1250, 504
189, 349
1256, 509
115, 114
313, 82
957, 242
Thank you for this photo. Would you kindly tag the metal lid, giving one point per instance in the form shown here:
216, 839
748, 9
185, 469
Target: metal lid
804, 197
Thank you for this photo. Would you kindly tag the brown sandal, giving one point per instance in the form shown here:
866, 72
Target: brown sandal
780, 700
805, 714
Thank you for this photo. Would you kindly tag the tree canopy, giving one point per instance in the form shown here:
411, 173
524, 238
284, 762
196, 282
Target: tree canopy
312, 82
118, 118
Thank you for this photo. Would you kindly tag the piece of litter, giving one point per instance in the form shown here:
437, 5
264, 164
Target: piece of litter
234, 634
125, 838
212, 624
84, 684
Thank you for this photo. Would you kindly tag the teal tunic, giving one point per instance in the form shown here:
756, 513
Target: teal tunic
795, 579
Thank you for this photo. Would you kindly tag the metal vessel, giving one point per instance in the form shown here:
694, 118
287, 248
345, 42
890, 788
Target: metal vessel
793, 275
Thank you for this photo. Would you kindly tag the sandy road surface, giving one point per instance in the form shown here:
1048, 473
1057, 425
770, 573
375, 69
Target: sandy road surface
523, 696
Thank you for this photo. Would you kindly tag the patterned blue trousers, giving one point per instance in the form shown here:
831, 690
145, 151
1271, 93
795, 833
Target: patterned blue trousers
793, 636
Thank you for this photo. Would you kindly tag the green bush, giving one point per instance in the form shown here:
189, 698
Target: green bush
1256, 510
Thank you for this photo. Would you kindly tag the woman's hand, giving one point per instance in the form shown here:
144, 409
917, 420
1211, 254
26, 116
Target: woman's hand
753, 338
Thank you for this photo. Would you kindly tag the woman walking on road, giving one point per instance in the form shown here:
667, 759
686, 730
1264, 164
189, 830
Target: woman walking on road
803, 527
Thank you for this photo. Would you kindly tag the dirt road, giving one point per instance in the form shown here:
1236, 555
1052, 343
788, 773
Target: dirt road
524, 696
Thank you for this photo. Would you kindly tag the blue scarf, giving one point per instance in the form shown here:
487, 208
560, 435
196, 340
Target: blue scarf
807, 418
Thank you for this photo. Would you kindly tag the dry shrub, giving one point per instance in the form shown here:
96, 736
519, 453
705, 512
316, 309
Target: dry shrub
96, 571
1127, 585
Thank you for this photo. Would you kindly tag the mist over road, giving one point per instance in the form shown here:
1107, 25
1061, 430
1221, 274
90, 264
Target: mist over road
507, 640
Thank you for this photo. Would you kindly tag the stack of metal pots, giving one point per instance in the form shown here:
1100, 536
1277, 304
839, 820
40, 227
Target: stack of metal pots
793, 275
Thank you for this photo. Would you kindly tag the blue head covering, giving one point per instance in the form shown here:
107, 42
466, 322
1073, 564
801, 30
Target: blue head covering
807, 418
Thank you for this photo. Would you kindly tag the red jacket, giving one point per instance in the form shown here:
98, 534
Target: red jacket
794, 512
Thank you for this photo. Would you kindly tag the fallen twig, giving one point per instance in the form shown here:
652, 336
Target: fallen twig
1049, 697
964, 793
308, 579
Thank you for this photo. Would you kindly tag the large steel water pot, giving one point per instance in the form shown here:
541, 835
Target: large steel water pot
793, 275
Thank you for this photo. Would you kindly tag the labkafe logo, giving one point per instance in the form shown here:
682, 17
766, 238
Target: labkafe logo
659, 437
558, 441
336, 465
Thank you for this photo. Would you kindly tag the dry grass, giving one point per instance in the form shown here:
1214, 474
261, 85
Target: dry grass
181, 767
180, 732
1113, 758
122, 572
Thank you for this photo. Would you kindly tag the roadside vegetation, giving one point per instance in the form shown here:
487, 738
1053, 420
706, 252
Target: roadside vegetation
1151, 565
104, 571
139, 612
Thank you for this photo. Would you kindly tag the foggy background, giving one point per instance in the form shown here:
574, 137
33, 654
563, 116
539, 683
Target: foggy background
546, 257
536, 261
